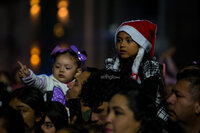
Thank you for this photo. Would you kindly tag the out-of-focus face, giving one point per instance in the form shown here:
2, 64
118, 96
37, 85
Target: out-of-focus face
2, 128
64, 68
48, 126
181, 104
126, 46
76, 87
27, 112
99, 114
120, 118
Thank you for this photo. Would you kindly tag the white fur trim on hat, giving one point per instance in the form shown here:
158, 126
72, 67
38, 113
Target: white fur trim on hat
136, 36
137, 61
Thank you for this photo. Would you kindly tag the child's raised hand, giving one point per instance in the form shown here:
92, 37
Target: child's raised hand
23, 70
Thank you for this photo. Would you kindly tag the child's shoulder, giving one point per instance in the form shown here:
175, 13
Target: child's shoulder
112, 64
151, 68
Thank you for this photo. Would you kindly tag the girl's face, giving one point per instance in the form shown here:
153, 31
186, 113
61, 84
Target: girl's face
48, 126
126, 46
64, 68
26, 111
120, 118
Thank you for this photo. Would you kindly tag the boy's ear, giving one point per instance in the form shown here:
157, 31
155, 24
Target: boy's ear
78, 72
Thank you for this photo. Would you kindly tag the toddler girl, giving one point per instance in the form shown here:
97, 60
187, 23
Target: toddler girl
67, 65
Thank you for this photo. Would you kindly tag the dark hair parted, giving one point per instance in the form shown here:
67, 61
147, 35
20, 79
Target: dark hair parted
30, 96
71, 53
57, 113
191, 73
142, 106
100, 87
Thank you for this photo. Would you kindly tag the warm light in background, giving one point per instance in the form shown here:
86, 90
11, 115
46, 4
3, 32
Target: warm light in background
63, 12
34, 9
35, 56
63, 3
33, 2
35, 60
58, 30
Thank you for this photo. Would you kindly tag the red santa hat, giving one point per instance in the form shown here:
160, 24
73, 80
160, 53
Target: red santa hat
143, 32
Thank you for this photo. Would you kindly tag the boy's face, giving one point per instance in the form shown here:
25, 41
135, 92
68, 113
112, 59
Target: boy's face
99, 114
181, 104
64, 68
126, 46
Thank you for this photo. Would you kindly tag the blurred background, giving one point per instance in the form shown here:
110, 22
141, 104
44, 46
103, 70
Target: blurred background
30, 29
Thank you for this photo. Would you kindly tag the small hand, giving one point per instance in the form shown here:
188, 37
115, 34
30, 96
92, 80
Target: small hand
23, 70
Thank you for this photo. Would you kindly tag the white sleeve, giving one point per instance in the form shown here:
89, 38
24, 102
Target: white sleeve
38, 81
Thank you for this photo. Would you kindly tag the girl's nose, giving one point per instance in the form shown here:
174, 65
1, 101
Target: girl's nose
61, 69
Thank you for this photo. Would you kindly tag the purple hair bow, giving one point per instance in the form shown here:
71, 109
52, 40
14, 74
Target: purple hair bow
81, 57
58, 49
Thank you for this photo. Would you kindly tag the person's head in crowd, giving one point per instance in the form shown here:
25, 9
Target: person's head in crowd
67, 63
184, 101
11, 121
56, 117
135, 44
78, 112
30, 103
73, 129
131, 111
5, 78
4, 94
97, 91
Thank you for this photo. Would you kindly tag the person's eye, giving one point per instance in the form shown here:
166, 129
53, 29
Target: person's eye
57, 66
129, 40
68, 68
48, 125
117, 112
98, 111
177, 94
119, 40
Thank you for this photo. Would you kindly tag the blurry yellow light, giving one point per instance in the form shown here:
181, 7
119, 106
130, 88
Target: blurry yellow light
35, 50
33, 2
58, 30
35, 60
63, 12
35, 9
62, 4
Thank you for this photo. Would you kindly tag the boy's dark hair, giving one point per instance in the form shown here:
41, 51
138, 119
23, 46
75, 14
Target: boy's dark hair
191, 73
100, 87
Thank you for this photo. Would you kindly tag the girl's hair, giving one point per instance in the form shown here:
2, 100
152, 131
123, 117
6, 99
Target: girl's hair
59, 51
34, 98
57, 113
30, 96
142, 106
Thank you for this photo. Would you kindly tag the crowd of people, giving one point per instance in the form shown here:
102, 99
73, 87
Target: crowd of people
129, 95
